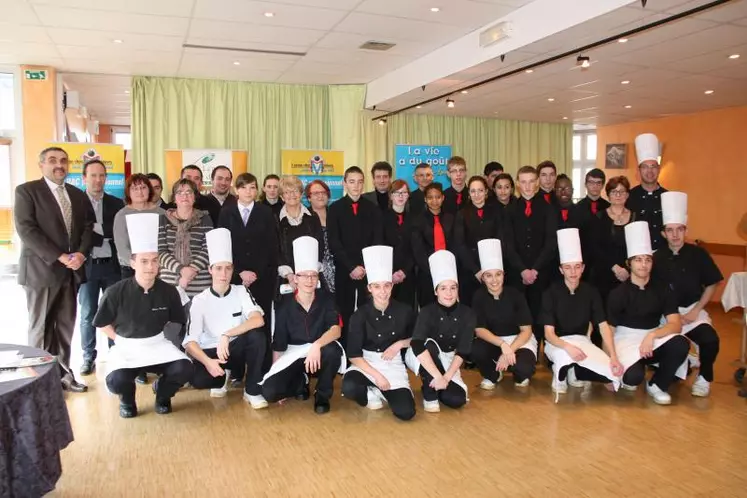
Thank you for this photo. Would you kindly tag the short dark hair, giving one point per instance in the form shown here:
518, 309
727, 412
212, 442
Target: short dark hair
353, 169
433, 186
93, 161
192, 167
138, 179
614, 182
154, 176
183, 182
546, 164
492, 166
381, 166
246, 179
43, 154
422, 166
215, 170
271, 176
456, 160
563, 176
595, 173
527, 169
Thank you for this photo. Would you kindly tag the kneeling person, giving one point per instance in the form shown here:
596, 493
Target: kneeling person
379, 332
133, 313
226, 328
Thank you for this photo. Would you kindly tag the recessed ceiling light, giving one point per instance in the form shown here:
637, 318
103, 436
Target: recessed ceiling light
708, 92
625, 82
127, 92
465, 92
734, 56
628, 106
418, 107
435, 9
117, 41
551, 99
449, 103
529, 71
622, 40
565, 117
236, 63
269, 14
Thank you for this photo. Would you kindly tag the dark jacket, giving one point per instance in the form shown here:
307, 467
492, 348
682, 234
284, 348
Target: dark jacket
111, 206
255, 246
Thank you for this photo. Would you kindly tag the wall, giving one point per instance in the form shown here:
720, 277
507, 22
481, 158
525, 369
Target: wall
105, 135
39, 110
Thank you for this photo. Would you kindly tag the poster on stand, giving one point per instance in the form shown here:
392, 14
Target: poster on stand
407, 157
309, 165
113, 156
206, 160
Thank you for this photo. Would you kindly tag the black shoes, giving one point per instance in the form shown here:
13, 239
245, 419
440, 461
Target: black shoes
69, 384
321, 405
127, 411
88, 367
304, 393
163, 406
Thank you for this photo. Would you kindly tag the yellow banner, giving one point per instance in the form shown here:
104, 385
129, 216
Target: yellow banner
113, 156
312, 162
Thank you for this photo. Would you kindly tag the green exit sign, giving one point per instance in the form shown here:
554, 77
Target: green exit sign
40, 75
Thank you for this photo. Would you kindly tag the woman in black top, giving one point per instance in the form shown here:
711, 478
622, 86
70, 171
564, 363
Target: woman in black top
397, 234
504, 190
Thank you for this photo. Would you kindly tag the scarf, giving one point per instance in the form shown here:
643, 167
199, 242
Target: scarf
182, 249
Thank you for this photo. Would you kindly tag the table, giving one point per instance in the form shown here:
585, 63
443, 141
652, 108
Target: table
34, 428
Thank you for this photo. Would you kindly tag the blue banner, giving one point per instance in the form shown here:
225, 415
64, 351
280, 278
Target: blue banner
334, 183
407, 157
115, 183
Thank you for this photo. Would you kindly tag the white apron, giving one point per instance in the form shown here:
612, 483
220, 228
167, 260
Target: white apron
596, 359
137, 353
412, 362
393, 370
703, 317
628, 342
531, 344
296, 352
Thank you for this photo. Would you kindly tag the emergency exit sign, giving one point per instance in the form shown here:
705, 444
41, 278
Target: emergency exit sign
40, 75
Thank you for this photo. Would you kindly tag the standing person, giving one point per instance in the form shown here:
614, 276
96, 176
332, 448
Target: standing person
504, 339
442, 339
381, 172
504, 188
102, 267
423, 177
157, 185
201, 202
305, 340
594, 202
635, 310
139, 197
569, 215
380, 332
397, 233
221, 177
133, 314
693, 277
353, 225
491, 172
547, 173
455, 197
225, 328
54, 221
317, 193
432, 231
532, 245
270, 196
645, 199
569, 308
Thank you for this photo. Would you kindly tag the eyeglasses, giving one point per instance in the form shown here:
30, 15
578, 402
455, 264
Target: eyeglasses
400, 194
291, 193
618, 193
596, 183
457, 170
184, 193
318, 193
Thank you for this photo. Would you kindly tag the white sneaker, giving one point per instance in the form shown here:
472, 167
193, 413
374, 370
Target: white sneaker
375, 401
431, 406
629, 388
523, 383
222, 392
559, 386
660, 397
487, 385
701, 387
573, 380
258, 402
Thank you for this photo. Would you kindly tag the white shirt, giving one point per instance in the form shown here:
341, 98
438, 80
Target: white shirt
53, 187
105, 251
241, 208
212, 315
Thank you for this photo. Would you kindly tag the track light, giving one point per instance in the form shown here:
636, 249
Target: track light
449, 103
583, 61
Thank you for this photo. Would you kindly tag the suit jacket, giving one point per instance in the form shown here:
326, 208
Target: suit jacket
41, 227
230, 201
255, 246
373, 197
111, 207
534, 242
349, 234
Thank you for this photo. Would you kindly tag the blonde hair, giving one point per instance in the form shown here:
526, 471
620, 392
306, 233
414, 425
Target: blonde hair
290, 182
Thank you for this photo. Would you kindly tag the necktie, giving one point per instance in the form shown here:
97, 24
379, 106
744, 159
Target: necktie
67, 210
528, 208
547, 198
564, 214
593, 207
439, 240
480, 213
245, 215
459, 199
355, 209
400, 219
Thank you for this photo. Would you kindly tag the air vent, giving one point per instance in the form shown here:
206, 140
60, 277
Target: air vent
378, 46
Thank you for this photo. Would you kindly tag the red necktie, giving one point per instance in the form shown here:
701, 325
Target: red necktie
459, 199
593, 207
547, 198
439, 240
400, 219
528, 208
564, 214
355, 209
479, 213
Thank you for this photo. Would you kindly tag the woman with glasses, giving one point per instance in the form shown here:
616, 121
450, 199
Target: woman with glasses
397, 229
317, 193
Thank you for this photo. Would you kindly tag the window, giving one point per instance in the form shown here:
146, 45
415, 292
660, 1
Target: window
7, 104
584, 160
5, 183
123, 138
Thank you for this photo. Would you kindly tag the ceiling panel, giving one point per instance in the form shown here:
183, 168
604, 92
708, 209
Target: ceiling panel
383, 27
464, 13
24, 34
17, 12
102, 20
231, 31
105, 39
179, 8
253, 13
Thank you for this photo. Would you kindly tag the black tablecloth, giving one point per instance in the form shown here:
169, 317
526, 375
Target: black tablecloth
34, 428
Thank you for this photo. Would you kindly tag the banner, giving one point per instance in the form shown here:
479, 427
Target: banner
309, 165
407, 157
206, 160
113, 156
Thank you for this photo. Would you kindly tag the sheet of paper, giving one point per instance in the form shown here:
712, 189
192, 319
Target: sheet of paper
16, 374
9, 358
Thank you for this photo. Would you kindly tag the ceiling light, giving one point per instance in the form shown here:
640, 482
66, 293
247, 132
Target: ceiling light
127, 92
465, 92
565, 117
269, 14
628, 106
529, 71
734, 56
622, 40
418, 107
435, 9
708, 92
117, 41
583, 61
551, 99
382, 122
449, 103
236, 63
625, 82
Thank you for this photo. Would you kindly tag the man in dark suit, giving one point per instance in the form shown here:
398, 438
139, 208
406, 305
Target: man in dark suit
203, 202
55, 223
221, 192
381, 172
102, 266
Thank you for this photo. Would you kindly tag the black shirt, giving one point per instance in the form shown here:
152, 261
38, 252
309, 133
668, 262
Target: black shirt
422, 237
476, 228
350, 233
571, 313
372, 330
647, 205
294, 325
587, 202
398, 237
572, 216
503, 316
630, 306
688, 272
416, 203
454, 201
548, 197
453, 329
137, 314
274, 207
533, 241
382, 199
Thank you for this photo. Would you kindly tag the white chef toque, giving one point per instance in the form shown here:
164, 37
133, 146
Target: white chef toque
142, 228
674, 208
306, 254
491, 255
638, 239
569, 246
378, 263
647, 147
219, 246
443, 267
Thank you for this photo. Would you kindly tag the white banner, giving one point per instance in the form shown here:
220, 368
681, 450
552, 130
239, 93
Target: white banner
206, 160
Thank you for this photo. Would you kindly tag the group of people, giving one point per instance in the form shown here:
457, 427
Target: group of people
223, 290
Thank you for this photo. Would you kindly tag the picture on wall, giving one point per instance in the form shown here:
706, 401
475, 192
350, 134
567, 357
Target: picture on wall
616, 156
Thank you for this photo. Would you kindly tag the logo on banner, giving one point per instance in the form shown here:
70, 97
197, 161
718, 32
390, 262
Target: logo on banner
317, 165
113, 157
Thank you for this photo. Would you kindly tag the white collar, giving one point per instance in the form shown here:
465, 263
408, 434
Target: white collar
284, 212
242, 207
52, 185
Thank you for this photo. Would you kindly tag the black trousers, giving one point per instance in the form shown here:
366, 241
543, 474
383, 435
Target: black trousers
245, 353
453, 396
468, 285
706, 338
345, 296
426, 294
173, 375
401, 401
98, 278
291, 381
533, 294
669, 356
405, 291
485, 356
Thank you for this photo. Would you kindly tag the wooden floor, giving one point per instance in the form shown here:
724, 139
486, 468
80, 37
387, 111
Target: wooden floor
505, 443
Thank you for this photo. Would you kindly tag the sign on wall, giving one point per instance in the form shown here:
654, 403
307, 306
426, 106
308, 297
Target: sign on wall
206, 160
113, 156
407, 157
309, 165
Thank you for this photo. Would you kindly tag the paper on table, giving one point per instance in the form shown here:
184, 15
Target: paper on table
10, 358
17, 374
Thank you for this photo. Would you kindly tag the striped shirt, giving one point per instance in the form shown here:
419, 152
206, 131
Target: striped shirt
171, 267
